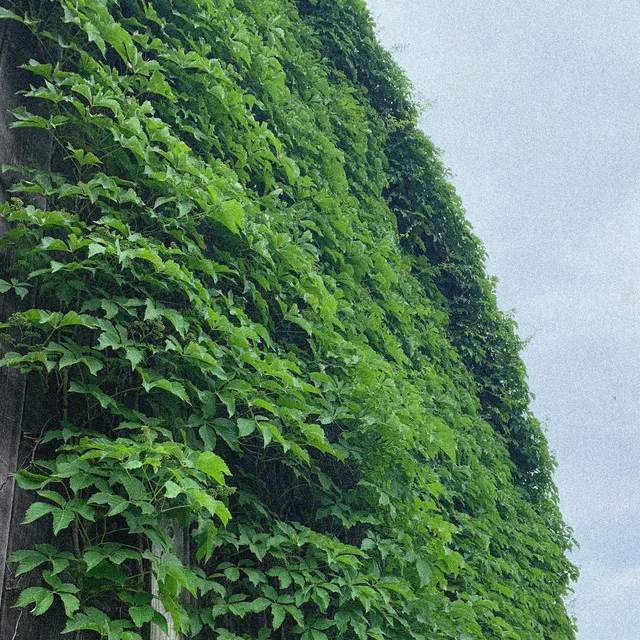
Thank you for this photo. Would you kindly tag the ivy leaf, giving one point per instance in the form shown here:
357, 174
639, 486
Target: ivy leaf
27, 560
424, 571
161, 622
255, 576
291, 169
134, 356
81, 481
259, 605
93, 557
68, 359
177, 320
240, 608
93, 364
232, 574
43, 604
116, 503
36, 511
284, 576
73, 318
228, 431
245, 427
96, 249
54, 496
40, 596
142, 614
173, 387
172, 490
93, 35
208, 436
267, 435
213, 465
53, 244
89, 619
59, 565
6, 14
231, 214
70, 602
223, 513
278, 614
27, 480
62, 518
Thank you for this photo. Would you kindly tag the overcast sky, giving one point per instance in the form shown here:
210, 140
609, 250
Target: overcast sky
536, 106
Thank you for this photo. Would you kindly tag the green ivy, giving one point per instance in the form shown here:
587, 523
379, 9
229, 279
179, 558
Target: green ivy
265, 322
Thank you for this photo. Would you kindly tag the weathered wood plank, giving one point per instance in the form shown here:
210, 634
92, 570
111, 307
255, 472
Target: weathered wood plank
181, 542
12, 385
23, 406
12, 393
13, 626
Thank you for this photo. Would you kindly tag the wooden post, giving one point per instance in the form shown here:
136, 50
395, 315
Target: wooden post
18, 147
12, 395
180, 538
12, 384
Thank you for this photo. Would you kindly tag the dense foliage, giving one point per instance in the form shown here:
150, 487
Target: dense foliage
264, 319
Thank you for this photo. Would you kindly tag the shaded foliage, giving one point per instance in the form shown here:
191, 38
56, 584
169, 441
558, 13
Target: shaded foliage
267, 322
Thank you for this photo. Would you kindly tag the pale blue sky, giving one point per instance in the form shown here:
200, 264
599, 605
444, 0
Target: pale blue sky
536, 106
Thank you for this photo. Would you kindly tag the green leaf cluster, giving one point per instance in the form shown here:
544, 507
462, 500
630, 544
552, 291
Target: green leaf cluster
264, 320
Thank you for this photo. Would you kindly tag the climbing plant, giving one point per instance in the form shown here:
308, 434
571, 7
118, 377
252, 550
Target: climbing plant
265, 321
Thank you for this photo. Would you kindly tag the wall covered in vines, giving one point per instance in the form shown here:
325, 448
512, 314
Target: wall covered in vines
258, 316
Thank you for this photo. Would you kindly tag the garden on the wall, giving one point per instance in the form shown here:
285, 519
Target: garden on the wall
269, 391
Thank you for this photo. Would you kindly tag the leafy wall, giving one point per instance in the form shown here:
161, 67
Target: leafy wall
259, 315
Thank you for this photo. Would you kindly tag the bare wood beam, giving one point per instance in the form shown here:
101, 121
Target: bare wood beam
180, 538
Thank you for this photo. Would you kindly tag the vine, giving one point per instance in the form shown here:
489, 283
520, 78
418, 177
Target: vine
265, 322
